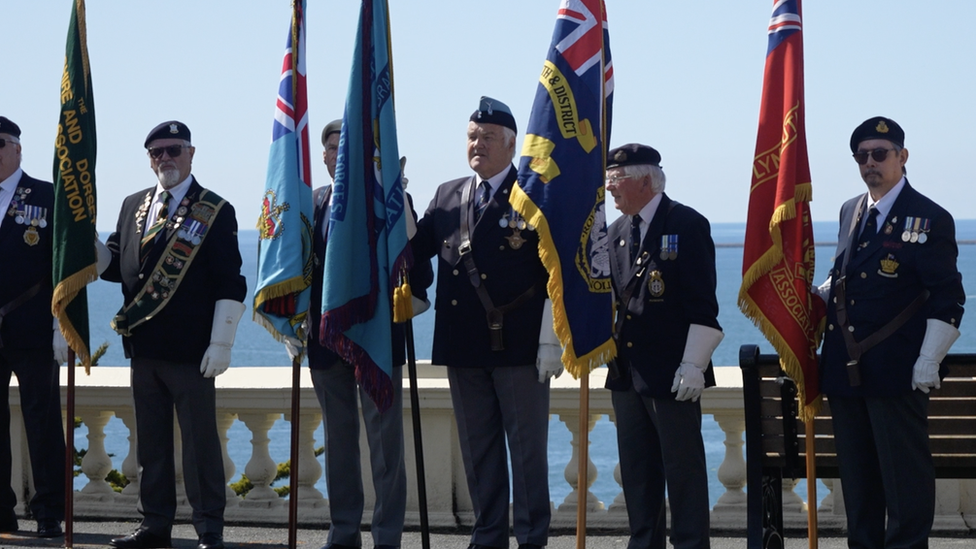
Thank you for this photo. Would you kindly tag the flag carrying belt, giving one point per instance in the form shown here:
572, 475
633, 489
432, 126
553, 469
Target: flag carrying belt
855, 349
496, 315
168, 273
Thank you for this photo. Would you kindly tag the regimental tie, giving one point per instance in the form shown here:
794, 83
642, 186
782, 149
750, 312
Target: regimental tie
161, 217
635, 237
484, 196
870, 228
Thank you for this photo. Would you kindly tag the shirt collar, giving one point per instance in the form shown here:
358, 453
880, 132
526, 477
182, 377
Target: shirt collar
10, 184
496, 180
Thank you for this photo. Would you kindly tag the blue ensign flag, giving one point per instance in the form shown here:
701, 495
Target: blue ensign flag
560, 181
367, 252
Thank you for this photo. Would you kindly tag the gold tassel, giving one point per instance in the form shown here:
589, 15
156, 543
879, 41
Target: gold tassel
402, 303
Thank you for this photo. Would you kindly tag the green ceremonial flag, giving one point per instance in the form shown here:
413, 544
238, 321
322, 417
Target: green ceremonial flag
74, 192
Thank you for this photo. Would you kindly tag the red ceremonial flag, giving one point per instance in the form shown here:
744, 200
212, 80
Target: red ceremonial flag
778, 258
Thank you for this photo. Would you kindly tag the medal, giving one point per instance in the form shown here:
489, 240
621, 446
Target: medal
516, 240
664, 255
922, 237
31, 237
913, 238
906, 236
19, 219
655, 284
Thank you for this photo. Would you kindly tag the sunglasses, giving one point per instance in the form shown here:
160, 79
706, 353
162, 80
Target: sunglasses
879, 155
172, 150
3, 142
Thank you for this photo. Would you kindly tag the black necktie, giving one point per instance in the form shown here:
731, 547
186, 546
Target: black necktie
870, 226
484, 195
635, 237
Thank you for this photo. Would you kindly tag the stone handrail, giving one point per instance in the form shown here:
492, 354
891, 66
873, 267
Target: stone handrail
260, 396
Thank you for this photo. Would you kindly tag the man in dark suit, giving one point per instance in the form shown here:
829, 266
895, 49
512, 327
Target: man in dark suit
175, 252
491, 292
663, 272
27, 345
894, 278
335, 385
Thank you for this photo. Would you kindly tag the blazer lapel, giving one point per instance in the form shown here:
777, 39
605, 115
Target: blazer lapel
497, 206
652, 239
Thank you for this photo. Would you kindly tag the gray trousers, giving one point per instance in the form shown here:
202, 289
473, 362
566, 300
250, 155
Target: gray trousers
337, 391
493, 405
885, 469
660, 444
158, 386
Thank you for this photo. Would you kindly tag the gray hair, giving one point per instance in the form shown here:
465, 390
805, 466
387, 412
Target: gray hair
658, 179
509, 134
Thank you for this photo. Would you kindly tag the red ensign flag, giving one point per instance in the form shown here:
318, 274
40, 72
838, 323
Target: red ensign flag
778, 258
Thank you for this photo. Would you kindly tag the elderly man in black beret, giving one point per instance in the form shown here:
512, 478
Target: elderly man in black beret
663, 272
175, 252
489, 332
894, 281
27, 347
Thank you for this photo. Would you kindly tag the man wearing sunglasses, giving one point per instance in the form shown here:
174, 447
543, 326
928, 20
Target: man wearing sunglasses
662, 264
895, 300
175, 252
26, 349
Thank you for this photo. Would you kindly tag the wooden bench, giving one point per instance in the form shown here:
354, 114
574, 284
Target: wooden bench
776, 440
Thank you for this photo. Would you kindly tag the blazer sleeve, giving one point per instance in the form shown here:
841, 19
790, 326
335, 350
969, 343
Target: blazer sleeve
697, 278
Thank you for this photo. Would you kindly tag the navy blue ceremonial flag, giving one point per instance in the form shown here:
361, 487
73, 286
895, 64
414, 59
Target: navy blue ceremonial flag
367, 254
560, 181
283, 291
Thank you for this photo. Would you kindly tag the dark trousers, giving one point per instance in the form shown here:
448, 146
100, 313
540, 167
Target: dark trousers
158, 386
886, 469
660, 445
40, 401
337, 391
493, 405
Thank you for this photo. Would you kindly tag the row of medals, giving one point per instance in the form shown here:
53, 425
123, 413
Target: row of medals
31, 236
513, 220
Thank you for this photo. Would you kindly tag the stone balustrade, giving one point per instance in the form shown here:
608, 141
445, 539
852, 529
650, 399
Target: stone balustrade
258, 397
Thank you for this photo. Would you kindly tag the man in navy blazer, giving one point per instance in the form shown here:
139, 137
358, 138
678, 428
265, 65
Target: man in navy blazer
490, 333
663, 270
26, 349
894, 278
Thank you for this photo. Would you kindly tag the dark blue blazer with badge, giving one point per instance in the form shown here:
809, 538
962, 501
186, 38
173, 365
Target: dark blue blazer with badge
882, 279
28, 252
180, 332
676, 290
508, 269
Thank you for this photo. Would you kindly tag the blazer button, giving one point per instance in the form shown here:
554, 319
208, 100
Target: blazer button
453, 302
830, 327
141, 276
455, 272
501, 248
852, 303
484, 276
850, 328
864, 275
628, 317
630, 343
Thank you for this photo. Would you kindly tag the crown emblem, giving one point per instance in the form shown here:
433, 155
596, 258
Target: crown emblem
174, 129
888, 266
881, 127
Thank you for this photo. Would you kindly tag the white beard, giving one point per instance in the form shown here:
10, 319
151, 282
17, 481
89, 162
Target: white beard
168, 178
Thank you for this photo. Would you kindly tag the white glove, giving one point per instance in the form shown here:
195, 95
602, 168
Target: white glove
549, 359
227, 313
103, 255
60, 345
823, 290
689, 379
419, 305
294, 347
939, 336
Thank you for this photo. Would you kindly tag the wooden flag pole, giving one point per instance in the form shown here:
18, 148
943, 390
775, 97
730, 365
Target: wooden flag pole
69, 454
811, 485
296, 377
584, 459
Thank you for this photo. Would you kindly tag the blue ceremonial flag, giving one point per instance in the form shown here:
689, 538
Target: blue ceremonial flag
282, 294
367, 254
560, 181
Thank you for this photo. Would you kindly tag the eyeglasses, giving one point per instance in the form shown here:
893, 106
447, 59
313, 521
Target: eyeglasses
4, 141
616, 179
172, 150
879, 155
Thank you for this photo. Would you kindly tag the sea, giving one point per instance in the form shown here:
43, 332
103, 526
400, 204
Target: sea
255, 347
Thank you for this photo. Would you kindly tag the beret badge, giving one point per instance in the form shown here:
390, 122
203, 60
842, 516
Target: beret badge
174, 129
881, 127
621, 156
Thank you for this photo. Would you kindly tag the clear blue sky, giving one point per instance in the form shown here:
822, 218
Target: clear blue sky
688, 81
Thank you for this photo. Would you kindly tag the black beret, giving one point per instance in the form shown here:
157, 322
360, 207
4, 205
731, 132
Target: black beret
632, 154
878, 127
168, 130
493, 111
8, 127
332, 127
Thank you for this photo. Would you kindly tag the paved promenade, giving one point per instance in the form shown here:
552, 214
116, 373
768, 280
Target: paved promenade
97, 534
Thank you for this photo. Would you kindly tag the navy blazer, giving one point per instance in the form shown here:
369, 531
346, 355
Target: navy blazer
461, 337
881, 280
180, 332
29, 326
675, 292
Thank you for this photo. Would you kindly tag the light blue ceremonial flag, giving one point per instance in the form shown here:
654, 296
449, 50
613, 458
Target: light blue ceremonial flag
367, 252
560, 181
283, 291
